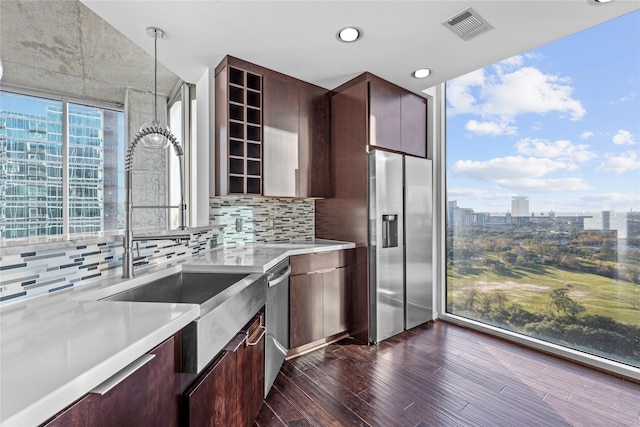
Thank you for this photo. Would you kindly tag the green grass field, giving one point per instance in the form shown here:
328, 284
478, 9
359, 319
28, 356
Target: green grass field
530, 287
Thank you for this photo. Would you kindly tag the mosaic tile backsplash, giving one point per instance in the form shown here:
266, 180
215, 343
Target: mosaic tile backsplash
243, 220
34, 273
261, 220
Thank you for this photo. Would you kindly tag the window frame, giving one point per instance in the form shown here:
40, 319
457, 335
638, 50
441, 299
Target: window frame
65, 100
439, 118
182, 92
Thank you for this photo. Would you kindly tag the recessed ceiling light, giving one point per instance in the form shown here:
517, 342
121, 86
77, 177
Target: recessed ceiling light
349, 34
421, 73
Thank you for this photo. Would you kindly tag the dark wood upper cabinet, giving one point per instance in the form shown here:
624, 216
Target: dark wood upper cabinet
384, 115
413, 130
292, 145
238, 126
281, 130
315, 141
396, 119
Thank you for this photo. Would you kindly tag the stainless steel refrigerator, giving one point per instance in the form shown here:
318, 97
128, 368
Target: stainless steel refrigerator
400, 238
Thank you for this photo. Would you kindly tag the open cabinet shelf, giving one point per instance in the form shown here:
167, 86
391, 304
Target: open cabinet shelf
244, 132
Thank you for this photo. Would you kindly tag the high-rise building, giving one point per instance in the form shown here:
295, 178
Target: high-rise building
31, 167
519, 206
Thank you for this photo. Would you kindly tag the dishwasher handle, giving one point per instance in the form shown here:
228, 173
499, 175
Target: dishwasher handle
280, 278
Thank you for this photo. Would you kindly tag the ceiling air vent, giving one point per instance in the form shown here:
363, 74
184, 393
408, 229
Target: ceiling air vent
467, 24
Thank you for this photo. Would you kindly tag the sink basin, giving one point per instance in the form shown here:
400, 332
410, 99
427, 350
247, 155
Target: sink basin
227, 303
191, 288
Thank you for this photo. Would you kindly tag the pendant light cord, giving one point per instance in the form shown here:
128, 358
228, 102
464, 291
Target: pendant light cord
155, 75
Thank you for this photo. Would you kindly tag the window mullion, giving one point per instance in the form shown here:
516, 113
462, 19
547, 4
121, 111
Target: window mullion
65, 167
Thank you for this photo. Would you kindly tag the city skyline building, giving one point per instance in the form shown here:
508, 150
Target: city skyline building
32, 193
520, 206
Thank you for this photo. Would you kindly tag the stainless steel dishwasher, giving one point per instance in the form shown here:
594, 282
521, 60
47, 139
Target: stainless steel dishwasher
277, 320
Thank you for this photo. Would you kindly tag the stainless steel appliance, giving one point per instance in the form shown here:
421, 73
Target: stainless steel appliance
400, 233
277, 322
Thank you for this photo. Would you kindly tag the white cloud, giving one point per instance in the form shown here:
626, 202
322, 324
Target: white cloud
632, 96
520, 174
528, 90
509, 63
509, 94
624, 137
490, 128
544, 185
587, 203
609, 200
586, 134
561, 149
619, 163
505, 168
468, 192
459, 95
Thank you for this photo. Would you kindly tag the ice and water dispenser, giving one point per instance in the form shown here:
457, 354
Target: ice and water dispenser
389, 231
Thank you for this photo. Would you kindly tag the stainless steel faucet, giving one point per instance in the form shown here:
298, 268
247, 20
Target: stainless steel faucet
127, 256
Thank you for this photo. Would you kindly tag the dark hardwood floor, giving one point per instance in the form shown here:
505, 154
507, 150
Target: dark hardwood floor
445, 375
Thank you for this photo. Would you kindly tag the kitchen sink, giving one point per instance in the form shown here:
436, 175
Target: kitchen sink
190, 288
227, 302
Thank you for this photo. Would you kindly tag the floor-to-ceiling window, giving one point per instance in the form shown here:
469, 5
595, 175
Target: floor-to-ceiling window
181, 107
543, 192
61, 166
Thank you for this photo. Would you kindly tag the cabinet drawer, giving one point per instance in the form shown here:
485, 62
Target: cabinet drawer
302, 264
147, 397
306, 309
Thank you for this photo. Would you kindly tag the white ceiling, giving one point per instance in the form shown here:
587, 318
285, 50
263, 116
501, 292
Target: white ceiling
298, 37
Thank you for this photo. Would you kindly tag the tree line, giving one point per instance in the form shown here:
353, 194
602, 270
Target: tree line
565, 322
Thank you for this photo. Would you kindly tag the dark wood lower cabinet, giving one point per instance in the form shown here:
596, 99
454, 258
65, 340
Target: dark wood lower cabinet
229, 391
318, 298
335, 298
305, 305
210, 401
250, 359
147, 397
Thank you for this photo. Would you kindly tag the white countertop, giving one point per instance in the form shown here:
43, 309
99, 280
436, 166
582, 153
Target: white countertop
56, 348
258, 258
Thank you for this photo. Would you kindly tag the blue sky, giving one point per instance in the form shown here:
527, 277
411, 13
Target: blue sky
559, 124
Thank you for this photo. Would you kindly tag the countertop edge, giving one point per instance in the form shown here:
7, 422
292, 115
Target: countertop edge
290, 249
45, 408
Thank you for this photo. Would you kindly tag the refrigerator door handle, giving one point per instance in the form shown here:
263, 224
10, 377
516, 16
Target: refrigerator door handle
389, 231
385, 233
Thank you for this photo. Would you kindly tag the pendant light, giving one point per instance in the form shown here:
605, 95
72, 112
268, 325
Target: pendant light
156, 132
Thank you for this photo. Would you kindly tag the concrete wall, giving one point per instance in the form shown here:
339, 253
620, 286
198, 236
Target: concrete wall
62, 47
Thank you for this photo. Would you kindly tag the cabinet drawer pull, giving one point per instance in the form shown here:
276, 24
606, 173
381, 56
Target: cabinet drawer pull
236, 342
264, 330
120, 376
326, 270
